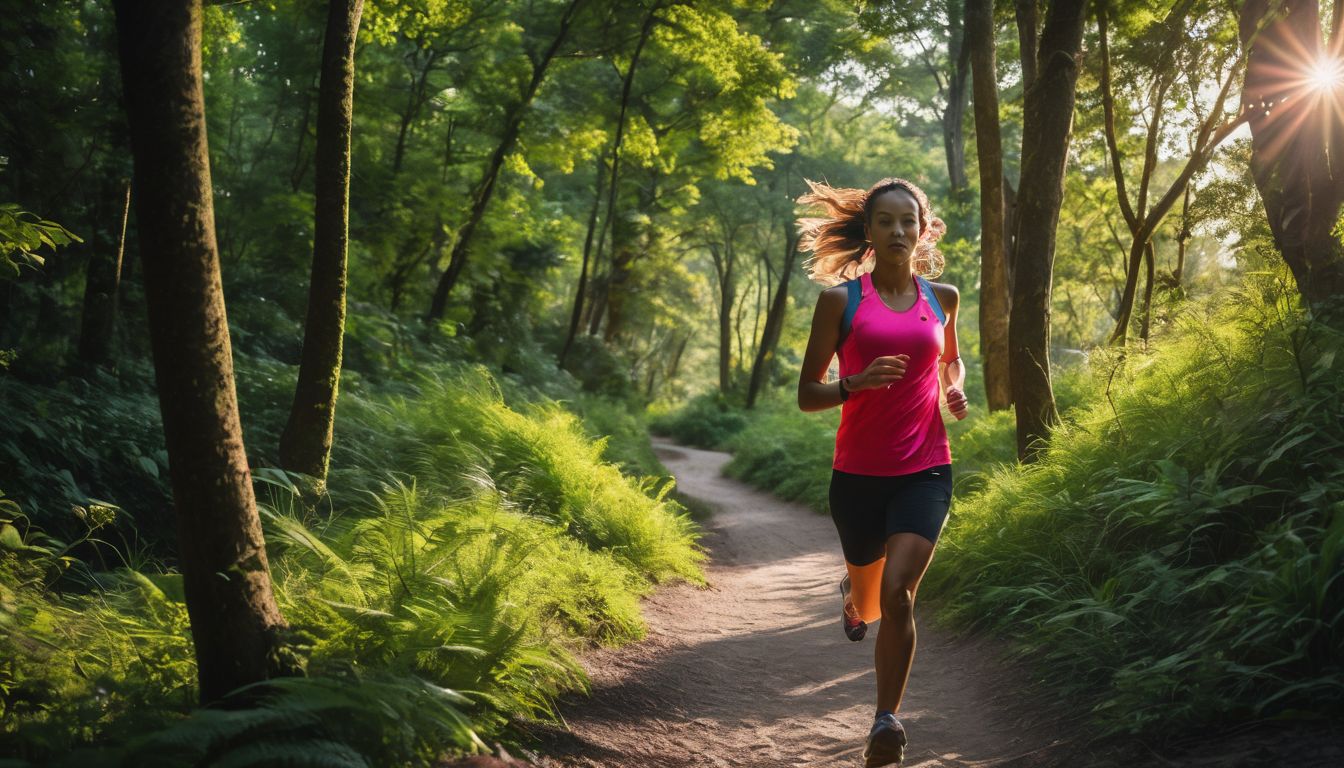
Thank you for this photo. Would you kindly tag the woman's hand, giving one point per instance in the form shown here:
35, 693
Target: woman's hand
956, 402
882, 372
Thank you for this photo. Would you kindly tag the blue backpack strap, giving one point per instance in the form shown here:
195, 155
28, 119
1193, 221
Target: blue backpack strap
932, 299
855, 288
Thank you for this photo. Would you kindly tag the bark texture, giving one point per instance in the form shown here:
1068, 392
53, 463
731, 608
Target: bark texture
305, 444
954, 116
1297, 143
994, 301
1047, 125
234, 617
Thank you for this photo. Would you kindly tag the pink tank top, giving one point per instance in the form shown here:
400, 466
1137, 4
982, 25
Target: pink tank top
896, 430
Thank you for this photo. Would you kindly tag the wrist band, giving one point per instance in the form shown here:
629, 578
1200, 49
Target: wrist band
844, 393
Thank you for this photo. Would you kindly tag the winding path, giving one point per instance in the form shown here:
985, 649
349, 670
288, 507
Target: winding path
755, 671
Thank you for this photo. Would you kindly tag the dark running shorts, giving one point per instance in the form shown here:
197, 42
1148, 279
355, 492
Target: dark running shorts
867, 509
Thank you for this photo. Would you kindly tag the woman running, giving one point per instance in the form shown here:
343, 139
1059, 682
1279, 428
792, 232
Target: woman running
891, 482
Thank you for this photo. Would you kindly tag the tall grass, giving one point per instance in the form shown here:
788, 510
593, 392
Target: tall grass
466, 551
1174, 557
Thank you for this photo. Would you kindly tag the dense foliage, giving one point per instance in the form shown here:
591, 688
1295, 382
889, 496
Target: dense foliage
1176, 554
451, 592
566, 216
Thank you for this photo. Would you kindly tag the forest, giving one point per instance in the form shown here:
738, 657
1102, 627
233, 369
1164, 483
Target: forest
333, 334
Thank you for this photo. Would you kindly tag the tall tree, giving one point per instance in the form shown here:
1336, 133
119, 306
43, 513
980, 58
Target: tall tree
954, 114
485, 188
1141, 219
725, 268
774, 316
234, 618
614, 161
1047, 123
930, 34
1294, 100
994, 304
305, 444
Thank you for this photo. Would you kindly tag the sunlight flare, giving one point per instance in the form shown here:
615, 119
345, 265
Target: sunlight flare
1326, 74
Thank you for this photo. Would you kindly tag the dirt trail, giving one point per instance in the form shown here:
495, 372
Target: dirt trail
755, 670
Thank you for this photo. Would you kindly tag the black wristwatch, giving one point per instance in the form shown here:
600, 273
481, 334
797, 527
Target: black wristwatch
844, 393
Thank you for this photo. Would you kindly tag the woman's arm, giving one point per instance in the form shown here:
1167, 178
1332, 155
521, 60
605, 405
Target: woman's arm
814, 394
952, 373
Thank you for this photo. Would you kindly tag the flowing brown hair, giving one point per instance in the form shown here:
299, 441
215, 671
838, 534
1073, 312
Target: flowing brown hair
840, 250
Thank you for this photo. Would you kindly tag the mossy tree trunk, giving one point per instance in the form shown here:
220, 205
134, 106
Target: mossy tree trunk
234, 618
1047, 125
305, 444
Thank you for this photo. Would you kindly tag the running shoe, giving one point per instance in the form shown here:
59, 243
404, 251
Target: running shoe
855, 627
886, 742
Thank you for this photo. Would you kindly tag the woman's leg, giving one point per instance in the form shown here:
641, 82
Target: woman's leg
908, 556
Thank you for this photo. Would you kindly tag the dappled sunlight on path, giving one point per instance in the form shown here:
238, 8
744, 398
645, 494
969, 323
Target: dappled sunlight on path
755, 670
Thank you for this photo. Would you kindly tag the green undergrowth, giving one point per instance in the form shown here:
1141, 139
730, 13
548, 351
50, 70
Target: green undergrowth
705, 421
465, 551
1175, 556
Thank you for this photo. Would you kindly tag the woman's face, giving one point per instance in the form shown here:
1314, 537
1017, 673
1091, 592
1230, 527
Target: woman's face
893, 228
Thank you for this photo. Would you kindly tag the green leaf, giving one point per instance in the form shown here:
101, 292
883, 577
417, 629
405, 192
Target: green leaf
149, 465
10, 538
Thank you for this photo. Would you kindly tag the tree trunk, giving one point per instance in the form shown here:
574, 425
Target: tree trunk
617, 288
676, 357
598, 308
1297, 145
234, 618
101, 289
1047, 123
485, 189
620, 260
1027, 22
1009, 231
742, 345
723, 267
577, 313
774, 319
626, 84
305, 444
414, 101
1206, 141
1178, 274
954, 138
989, 150
1145, 321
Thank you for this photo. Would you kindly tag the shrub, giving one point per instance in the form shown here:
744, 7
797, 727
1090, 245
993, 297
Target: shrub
1175, 554
706, 421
